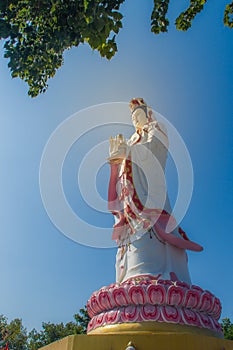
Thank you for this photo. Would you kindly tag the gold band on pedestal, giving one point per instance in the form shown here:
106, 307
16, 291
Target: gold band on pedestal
151, 327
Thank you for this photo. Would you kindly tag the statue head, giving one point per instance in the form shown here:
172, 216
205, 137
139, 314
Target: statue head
142, 117
136, 102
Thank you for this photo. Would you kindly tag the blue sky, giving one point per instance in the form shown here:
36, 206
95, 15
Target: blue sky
188, 78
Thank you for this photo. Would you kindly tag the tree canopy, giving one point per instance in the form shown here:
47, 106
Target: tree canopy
227, 327
37, 32
17, 337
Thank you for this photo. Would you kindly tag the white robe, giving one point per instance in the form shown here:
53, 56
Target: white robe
144, 253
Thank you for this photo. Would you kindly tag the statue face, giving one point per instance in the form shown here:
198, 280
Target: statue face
139, 119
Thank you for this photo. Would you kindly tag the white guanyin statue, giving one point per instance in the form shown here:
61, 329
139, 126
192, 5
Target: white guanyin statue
139, 202
153, 292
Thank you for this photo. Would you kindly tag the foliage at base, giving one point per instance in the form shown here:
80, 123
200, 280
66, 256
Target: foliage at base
16, 336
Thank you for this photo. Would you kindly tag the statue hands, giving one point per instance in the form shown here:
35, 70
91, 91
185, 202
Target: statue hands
117, 149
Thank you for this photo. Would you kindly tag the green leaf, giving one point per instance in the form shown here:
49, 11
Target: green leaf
117, 16
85, 3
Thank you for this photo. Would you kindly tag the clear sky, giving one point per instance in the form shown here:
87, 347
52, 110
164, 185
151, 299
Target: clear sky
188, 78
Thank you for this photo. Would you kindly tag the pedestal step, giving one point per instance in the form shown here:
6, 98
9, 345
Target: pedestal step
163, 341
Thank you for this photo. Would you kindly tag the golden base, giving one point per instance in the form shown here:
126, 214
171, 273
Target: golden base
152, 327
161, 341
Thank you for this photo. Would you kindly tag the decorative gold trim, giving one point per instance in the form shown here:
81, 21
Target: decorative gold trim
152, 327
115, 160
